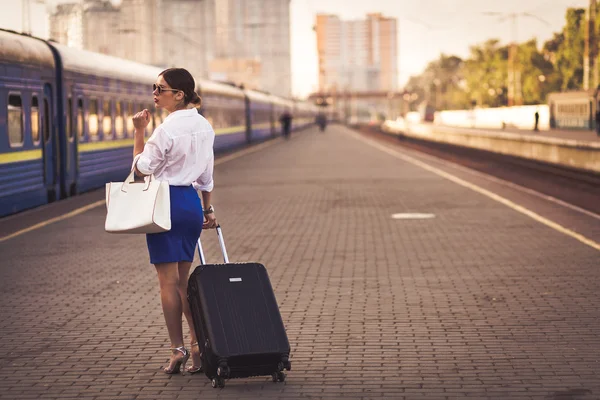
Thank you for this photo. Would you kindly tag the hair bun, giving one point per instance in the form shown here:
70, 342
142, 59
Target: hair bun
196, 99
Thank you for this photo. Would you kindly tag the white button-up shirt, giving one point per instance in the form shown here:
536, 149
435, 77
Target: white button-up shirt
180, 151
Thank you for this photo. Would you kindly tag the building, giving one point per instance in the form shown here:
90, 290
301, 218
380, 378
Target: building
257, 30
359, 55
66, 25
242, 41
101, 20
240, 71
140, 34
89, 25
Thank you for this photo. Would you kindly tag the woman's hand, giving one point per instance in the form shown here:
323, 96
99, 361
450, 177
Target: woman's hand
141, 120
210, 221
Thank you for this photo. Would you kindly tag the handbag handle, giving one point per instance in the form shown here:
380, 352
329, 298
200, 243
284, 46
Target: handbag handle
130, 180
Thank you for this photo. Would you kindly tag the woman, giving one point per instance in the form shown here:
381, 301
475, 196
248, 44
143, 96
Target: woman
179, 151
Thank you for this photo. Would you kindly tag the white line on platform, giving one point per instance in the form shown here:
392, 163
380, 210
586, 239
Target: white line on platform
99, 203
480, 190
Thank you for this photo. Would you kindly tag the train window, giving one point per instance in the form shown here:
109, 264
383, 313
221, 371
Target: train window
35, 120
119, 119
15, 120
46, 121
129, 116
93, 118
107, 119
80, 118
70, 118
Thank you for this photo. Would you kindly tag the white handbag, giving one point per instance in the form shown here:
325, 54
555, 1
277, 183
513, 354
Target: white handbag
138, 207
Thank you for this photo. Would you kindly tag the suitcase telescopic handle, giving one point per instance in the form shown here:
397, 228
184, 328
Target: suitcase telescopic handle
221, 242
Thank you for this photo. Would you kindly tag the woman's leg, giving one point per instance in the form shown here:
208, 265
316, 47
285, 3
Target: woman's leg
168, 278
184, 272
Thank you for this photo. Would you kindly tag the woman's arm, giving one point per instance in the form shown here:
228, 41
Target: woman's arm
138, 147
209, 213
140, 122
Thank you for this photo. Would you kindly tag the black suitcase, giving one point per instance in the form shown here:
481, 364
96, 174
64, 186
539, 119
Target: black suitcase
237, 320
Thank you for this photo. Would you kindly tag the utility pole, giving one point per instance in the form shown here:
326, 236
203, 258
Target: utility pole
586, 51
515, 93
593, 44
513, 90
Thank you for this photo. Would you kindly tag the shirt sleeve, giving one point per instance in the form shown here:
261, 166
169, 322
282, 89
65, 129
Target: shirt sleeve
205, 181
154, 153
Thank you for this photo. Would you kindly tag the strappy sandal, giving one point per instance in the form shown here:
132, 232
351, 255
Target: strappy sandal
180, 364
194, 369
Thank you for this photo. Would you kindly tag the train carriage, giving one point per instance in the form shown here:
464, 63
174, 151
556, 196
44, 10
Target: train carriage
224, 106
304, 114
66, 118
260, 115
281, 105
100, 96
29, 167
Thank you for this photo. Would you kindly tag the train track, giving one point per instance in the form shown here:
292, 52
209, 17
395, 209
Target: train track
579, 188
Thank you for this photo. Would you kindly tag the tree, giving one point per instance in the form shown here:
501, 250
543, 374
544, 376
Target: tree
453, 83
569, 49
486, 74
537, 76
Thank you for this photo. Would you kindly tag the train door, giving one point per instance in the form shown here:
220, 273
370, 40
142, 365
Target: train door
50, 148
68, 140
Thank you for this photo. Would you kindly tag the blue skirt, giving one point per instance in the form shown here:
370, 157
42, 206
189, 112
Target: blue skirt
179, 243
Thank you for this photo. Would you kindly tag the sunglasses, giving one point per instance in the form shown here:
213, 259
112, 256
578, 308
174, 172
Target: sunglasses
160, 89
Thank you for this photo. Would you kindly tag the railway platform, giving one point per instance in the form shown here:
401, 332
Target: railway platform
579, 135
398, 275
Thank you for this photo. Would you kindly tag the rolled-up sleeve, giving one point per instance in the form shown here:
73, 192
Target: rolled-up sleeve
154, 152
205, 181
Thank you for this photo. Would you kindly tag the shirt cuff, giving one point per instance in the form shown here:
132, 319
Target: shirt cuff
204, 188
143, 164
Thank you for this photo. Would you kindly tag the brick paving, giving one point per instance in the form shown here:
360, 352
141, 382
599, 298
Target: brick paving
479, 302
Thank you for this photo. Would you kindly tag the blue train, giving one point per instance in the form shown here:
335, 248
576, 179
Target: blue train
65, 118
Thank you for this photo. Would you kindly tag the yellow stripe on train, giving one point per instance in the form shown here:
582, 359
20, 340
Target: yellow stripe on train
105, 145
17, 156
116, 144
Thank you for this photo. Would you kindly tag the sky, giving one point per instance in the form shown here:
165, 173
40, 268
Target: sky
426, 28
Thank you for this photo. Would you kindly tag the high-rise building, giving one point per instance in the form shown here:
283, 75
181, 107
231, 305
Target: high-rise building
66, 25
357, 55
254, 34
101, 20
141, 32
89, 25
244, 41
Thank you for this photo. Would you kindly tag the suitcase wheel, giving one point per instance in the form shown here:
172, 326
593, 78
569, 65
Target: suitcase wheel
223, 371
278, 376
217, 383
284, 364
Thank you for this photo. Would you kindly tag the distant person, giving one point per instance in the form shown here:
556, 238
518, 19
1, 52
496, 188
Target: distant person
537, 121
286, 124
598, 122
321, 120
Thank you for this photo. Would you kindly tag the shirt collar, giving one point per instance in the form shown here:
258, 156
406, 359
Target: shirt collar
181, 113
